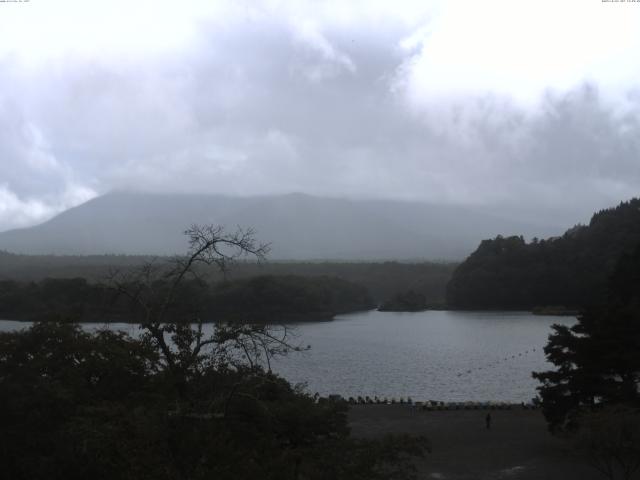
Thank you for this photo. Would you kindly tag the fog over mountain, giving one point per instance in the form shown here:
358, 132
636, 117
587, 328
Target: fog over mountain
518, 108
298, 227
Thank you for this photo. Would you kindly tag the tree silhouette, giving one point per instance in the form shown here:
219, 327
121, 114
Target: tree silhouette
157, 290
598, 359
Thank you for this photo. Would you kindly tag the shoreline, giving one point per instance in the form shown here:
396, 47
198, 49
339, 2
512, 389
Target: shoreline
314, 317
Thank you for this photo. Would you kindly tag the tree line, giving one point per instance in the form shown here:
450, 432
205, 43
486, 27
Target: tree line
382, 279
260, 299
569, 271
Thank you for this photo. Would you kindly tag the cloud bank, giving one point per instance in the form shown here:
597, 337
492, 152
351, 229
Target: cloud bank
519, 107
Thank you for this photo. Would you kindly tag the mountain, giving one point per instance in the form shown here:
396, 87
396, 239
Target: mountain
298, 226
570, 271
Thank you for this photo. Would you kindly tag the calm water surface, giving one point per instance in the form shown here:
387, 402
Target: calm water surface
439, 355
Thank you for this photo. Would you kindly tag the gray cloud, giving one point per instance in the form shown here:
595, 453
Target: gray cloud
263, 103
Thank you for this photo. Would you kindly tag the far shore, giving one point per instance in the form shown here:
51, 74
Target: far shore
314, 316
282, 319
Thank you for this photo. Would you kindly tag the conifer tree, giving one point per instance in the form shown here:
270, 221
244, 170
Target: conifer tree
598, 359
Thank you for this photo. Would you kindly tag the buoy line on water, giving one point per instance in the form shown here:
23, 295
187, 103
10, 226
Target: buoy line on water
496, 362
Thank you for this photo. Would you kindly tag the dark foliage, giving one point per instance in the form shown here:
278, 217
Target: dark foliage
569, 271
75, 405
282, 298
610, 440
258, 299
598, 359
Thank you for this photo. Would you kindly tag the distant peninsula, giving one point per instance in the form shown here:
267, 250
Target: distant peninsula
409, 301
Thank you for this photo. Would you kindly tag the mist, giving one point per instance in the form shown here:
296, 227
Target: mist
413, 103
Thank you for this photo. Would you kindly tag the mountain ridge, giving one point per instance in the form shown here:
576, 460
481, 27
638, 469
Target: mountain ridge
299, 226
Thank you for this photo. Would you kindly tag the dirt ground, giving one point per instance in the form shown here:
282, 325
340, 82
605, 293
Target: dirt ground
518, 445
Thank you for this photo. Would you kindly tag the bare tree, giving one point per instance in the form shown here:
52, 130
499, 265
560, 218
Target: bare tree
185, 345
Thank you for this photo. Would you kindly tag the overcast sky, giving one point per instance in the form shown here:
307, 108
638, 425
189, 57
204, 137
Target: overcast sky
534, 106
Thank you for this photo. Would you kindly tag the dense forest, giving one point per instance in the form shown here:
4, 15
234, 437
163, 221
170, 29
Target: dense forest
383, 280
266, 298
569, 271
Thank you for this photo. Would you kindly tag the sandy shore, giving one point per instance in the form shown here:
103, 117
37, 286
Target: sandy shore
518, 445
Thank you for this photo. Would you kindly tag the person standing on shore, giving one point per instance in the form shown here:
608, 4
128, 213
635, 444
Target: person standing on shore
487, 421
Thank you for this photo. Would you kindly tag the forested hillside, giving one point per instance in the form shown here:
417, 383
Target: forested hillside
570, 271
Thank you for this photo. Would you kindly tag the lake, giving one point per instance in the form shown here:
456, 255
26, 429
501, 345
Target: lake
438, 355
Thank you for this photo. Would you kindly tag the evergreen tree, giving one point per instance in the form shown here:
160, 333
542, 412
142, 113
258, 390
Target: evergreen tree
570, 271
597, 359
